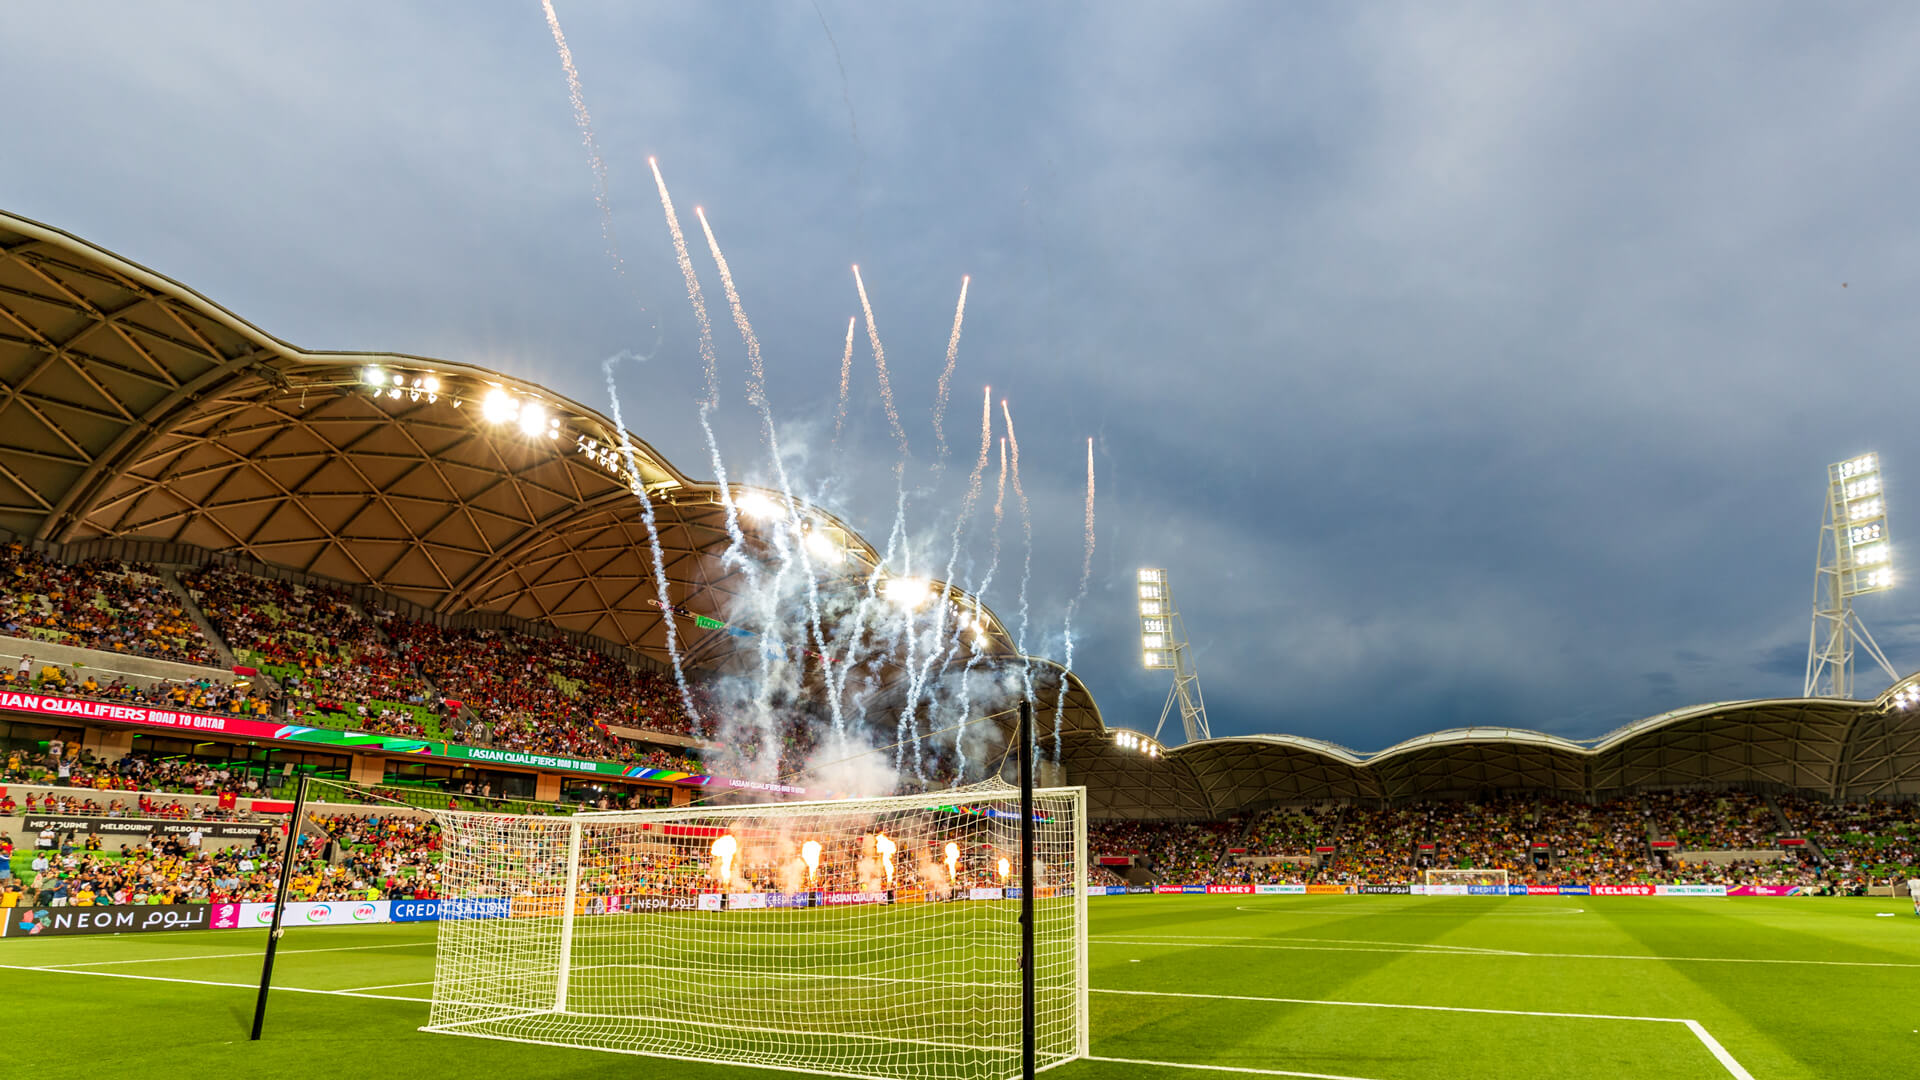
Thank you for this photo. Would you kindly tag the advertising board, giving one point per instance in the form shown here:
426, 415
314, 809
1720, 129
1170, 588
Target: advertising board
109, 827
108, 919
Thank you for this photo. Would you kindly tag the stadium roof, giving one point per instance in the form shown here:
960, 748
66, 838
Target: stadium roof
137, 408
132, 408
1838, 748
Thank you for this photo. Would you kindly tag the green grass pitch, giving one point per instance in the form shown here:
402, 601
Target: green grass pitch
1378, 988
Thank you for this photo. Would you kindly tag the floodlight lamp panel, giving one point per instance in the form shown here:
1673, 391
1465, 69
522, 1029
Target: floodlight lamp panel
498, 406
1858, 466
1863, 487
756, 506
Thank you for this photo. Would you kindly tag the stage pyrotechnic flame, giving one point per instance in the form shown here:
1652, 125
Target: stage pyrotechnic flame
884, 845
1005, 869
953, 861
810, 854
723, 850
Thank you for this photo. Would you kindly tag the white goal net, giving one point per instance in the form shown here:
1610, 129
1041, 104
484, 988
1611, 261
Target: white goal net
874, 938
1444, 882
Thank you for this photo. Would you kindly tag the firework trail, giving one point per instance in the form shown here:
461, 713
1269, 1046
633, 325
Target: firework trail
946, 374
1026, 568
846, 371
736, 540
1086, 574
694, 295
917, 678
757, 394
584, 120
880, 366
986, 582
661, 585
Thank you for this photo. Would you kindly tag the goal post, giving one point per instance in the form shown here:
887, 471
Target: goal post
1483, 882
873, 938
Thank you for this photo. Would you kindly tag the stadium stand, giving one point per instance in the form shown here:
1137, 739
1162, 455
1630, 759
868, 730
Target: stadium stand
96, 604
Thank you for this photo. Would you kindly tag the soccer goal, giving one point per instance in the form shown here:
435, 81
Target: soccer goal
1443, 882
873, 938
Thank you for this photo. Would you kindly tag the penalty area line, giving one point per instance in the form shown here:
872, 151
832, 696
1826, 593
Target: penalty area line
1719, 1052
210, 982
1265, 943
255, 954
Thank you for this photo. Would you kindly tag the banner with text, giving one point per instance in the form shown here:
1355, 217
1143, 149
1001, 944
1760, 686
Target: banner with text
348, 741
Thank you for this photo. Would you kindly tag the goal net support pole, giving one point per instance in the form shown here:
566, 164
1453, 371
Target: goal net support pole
567, 913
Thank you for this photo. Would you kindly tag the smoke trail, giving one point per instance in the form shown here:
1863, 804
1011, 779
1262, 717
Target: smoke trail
853, 125
661, 586
757, 394
1026, 568
846, 371
946, 374
917, 678
986, 583
1086, 575
880, 366
584, 121
736, 540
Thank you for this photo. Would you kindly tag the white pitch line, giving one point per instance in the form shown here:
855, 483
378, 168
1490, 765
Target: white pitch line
236, 955
1713, 1046
383, 986
1389, 1005
1197, 943
1227, 1068
208, 982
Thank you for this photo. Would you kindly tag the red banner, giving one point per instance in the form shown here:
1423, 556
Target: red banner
1543, 890
1623, 890
73, 708
1167, 889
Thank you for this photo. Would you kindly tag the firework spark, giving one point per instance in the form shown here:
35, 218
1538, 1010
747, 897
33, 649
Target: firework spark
584, 121
946, 374
810, 854
880, 367
846, 372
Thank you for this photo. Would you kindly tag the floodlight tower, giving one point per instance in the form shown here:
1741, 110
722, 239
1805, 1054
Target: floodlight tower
1164, 647
1854, 559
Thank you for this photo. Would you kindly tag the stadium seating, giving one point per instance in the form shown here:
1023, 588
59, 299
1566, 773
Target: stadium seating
102, 605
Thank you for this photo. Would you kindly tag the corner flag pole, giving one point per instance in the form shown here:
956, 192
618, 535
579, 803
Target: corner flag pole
280, 902
1026, 890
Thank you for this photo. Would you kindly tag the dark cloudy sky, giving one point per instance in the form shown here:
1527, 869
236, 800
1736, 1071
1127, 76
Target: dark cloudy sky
1464, 364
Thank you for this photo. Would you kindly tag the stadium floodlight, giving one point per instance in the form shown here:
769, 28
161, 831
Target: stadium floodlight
756, 506
373, 376
908, 593
1136, 742
1855, 558
794, 947
822, 547
1163, 647
498, 407
533, 419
